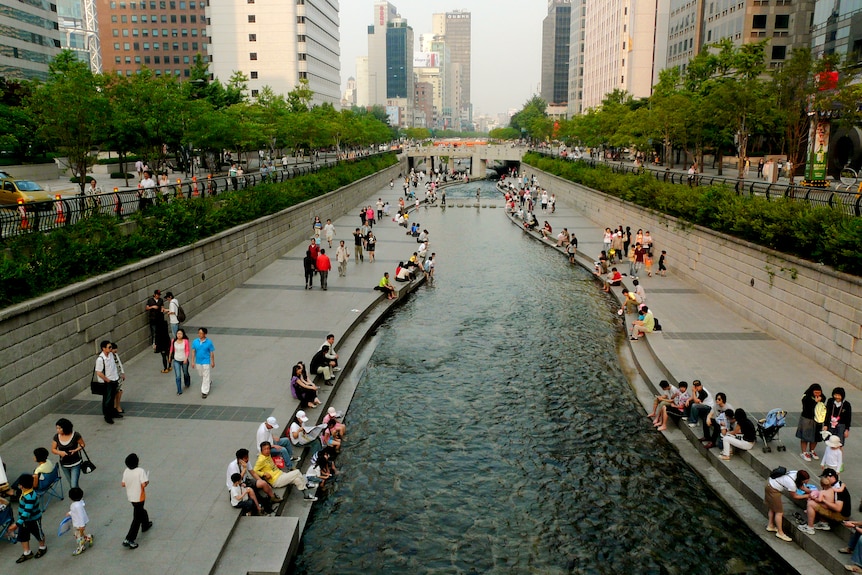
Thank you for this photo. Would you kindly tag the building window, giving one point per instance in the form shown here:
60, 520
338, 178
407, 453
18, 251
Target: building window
137, 59
146, 45
173, 18
134, 18
115, 33
114, 18
136, 46
300, 19
182, 5
146, 59
759, 22
116, 45
252, 37
128, 59
782, 21
252, 56
186, 46
193, 19
127, 46
779, 52
253, 75
254, 93
186, 60
303, 75
184, 33
195, 46
157, 59
183, 19
302, 56
251, 18
176, 47
124, 18
300, 38
117, 60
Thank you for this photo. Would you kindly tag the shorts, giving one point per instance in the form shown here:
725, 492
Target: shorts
827, 513
772, 498
29, 528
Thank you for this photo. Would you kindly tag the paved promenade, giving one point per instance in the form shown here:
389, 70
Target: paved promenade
702, 339
260, 331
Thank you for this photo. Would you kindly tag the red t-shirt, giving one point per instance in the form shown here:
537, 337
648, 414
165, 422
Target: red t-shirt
616, 277
323, 263
314, 249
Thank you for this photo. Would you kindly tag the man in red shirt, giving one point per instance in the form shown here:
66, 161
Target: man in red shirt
323, 267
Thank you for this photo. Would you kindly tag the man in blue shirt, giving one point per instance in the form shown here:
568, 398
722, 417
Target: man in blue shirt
203, 359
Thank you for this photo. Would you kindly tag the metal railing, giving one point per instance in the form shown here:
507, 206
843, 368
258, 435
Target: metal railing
842, 198
120, 204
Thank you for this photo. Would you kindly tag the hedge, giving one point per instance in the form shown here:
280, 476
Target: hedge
37, 263
819, 234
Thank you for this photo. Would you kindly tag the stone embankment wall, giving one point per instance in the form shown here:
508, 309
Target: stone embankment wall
815, 309
50, 343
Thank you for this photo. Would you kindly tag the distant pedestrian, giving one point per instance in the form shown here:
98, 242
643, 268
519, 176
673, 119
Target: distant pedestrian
369, 216
371, 245
323, 266
309, 265
358, 241
135, 480
79, 520
760, 168
106, 370
329, 232
155, 314
203, 359
118, 408
662, 264
380, 205
341, 256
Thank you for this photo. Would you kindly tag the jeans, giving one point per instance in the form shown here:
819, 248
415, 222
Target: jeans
634, 267
857, 549
324, 276
139, 518
697, 411
182, 367
174, 329
154, 328
72, 474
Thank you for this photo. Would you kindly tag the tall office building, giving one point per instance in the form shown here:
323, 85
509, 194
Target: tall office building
163, 35
836, 28
79, 31
619, 48
30, 34
362, 82
556, 38
456, 26
277, 44
384, 12
576, 57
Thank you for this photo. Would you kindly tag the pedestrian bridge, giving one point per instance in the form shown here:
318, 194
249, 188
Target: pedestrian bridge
437, 153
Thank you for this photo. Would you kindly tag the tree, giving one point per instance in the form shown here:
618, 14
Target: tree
418, 133
529, 117
299, 99
73, 111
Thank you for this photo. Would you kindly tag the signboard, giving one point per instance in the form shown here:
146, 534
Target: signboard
426, 60
818, 150
394, 115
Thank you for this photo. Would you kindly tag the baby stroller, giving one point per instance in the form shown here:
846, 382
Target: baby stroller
768, 428
7, 518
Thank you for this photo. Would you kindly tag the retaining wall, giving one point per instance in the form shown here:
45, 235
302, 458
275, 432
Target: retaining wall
815, 309
50, 343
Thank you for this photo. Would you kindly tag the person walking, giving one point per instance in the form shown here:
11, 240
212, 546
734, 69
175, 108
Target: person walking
135, 480
203, 359
309, 266
106, 370
180, 353
324, 265
341, 256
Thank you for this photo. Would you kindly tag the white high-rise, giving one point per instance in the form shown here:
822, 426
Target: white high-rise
277, 43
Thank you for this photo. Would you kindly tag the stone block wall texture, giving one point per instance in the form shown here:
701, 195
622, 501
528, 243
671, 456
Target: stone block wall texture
50, 343
811, 307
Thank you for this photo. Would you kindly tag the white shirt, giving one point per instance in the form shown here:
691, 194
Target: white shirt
263, 434
232, 467
134, 480
174, 308
78, 514
108, 366
833, 458
786, 482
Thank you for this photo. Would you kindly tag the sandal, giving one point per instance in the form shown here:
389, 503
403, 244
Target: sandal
853, 568
845, 550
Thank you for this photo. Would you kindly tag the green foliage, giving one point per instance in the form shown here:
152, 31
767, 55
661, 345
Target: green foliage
820, 234
37, 263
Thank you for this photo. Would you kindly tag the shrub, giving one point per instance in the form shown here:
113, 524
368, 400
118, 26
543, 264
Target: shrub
819, 234
121, 176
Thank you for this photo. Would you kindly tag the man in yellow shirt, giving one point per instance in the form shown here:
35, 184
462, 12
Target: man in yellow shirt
269, 471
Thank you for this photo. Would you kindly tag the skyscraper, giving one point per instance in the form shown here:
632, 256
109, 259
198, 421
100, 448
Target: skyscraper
79, 31
376, 83
556, 37
30, 35
277, 44
456, 26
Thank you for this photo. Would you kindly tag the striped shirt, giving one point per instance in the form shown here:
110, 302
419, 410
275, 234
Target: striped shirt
28, 507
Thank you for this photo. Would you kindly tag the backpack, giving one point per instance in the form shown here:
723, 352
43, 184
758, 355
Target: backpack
181, 314
779, 471
657, 324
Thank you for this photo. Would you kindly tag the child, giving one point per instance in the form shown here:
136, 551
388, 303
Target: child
834, 456
662, 264
79, 520
648, 264
29, 519
243, 497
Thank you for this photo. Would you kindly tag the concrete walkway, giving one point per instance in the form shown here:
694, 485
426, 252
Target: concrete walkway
702, 339
260, 331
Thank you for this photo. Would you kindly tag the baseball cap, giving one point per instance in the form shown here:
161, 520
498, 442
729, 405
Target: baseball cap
273, 422
829, 472
300, 415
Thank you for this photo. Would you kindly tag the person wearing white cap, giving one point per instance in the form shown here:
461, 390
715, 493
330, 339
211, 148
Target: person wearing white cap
279, 446
298, 435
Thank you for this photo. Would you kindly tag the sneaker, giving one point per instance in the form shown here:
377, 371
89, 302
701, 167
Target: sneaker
204, 396
684, 419
806, 529
276, 499
130, 544
310, 486
336, 369
24, 557
78, 551
805, 456
147, 526
41, 551
90, 540
813, 455
294, 458
822, 526
309, 497
692, 425
784, 537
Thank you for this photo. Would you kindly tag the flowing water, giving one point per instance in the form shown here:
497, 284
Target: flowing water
494, 432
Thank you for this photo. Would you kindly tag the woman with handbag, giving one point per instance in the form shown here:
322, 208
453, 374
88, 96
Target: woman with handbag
68, 444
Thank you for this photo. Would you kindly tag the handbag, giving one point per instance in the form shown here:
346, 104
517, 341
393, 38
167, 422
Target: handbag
87, 466
97, 385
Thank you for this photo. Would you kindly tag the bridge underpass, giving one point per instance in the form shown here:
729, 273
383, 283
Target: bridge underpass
479, 156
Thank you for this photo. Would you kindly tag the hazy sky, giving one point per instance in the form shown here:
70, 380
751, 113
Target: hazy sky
507, 44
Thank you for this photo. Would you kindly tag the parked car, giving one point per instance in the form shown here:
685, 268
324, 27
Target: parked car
11, 190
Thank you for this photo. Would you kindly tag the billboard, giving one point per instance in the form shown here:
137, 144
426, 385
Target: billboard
426, 60
394, 115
